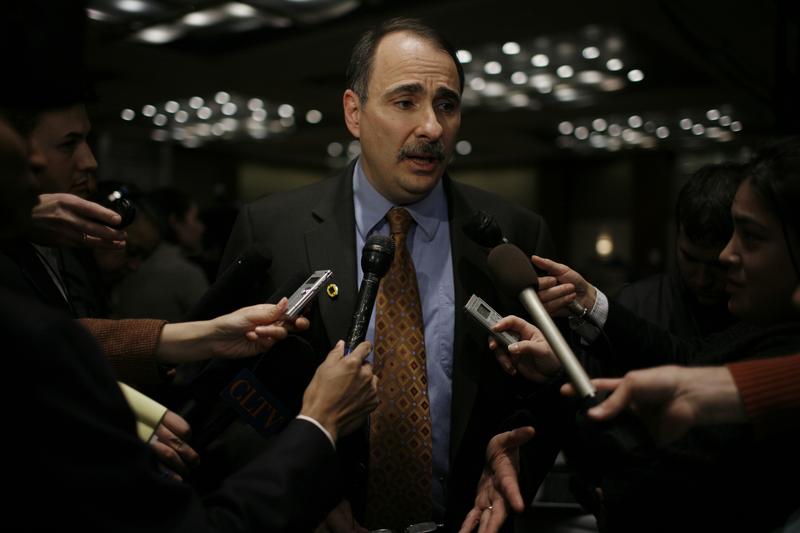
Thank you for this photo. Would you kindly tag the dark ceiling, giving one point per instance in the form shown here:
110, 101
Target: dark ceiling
696, 56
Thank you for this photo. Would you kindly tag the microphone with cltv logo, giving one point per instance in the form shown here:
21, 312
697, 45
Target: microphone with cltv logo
376, 258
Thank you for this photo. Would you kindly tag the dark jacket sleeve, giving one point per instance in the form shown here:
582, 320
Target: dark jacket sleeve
83, 458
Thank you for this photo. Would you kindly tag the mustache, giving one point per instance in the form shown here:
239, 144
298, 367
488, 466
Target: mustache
433, 150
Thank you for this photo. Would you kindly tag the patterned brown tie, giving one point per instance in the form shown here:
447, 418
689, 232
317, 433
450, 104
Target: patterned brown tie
399, 487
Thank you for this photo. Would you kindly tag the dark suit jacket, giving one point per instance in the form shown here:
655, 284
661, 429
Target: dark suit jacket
81, 466
22, 271
314, 228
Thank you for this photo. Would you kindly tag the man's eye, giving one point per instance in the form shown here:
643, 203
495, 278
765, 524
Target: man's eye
404, 104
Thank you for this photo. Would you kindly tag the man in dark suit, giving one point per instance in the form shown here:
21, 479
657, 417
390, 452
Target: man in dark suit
403, 104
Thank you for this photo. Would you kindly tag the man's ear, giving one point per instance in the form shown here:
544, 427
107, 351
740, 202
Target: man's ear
352, 112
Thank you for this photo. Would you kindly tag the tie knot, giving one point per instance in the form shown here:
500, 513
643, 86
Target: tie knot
399, 220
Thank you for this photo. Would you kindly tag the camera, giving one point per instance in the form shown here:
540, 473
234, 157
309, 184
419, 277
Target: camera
117, 202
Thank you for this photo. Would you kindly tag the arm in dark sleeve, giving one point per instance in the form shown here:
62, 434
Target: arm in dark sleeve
82, 457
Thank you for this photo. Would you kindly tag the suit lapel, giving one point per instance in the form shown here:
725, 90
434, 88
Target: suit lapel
331, 245
470, 275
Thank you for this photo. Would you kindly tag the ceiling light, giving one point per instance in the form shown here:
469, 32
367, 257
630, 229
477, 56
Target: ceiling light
724, 120
494, 89
511, 48
477, 83
635, 121
195, 102
229, 109
96, 14
335, 149
149, 110
698, 129
464, 56
237, 9
519, 100
222, 97
127, 114
463, 147
597, 140
565, 127
519, 78
204, 113
662, 132
181, 116
686, 124
736, 126
161, 34
132, 6
636, 75
540, 60
171, 106
599, 124
590, 77
259, 115
565, 71
712, 114
313, 116
255, 103
614, 64
591, 52
285, 111
582, 133
611, 84
160, 119
493, 67
206, 17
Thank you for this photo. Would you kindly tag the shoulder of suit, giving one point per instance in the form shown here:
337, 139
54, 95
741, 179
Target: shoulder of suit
481, 199
308, 195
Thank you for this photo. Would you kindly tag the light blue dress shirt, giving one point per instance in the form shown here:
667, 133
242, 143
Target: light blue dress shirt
428, 242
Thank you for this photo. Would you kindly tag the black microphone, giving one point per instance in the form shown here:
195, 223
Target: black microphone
483, 228
376, 258
515, 275
235, 286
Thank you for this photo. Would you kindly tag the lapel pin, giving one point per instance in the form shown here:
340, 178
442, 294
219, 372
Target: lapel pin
332, 290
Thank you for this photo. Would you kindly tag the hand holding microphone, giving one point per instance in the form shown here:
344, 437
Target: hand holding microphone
515, 276
484, 230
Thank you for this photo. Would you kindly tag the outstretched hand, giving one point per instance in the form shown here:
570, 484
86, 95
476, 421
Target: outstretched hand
498, 489
242, 333
671, 399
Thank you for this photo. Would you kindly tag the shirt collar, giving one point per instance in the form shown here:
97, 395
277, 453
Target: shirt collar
371, 207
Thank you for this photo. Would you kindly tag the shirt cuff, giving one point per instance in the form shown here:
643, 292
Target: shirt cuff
327, 434
598, 314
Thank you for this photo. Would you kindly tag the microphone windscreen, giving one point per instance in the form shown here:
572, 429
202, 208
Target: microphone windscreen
234, 286
377, 255
483, 228
512, 270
